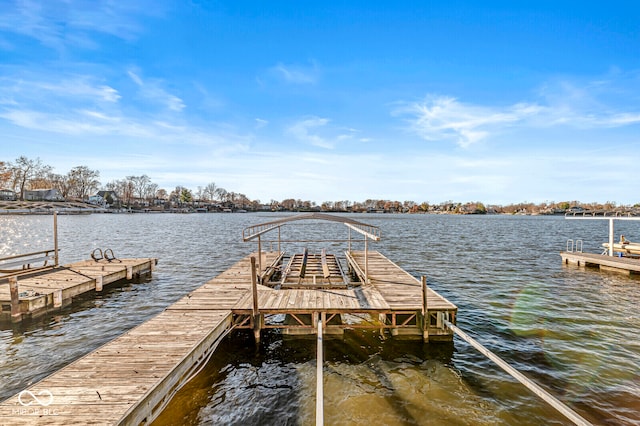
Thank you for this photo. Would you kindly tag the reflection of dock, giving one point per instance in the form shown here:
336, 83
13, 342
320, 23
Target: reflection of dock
132, 378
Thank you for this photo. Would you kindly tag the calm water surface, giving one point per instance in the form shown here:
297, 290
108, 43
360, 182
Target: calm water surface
574, 332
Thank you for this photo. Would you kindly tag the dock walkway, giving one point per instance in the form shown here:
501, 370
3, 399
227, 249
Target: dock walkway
130, 379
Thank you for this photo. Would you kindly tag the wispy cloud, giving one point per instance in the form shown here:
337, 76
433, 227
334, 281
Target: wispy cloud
445, 118
151, 89
317, 131
305, 130
61, 23
297, 74
260, 123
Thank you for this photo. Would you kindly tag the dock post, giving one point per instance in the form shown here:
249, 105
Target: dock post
99, 283
256, 313
611, 235
319, 380
55, 238
57, 298
16, 315
425, 310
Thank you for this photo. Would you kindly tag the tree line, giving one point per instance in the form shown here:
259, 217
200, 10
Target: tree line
81, 182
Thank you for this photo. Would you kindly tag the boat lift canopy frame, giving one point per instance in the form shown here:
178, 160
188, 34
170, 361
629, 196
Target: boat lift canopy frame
587, 215
370, 232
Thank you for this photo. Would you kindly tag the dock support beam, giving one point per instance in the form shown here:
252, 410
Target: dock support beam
319, 382
16, 315
257, 323
425, 310
529, 384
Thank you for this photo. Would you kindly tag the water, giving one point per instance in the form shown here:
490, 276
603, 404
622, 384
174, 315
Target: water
573, 331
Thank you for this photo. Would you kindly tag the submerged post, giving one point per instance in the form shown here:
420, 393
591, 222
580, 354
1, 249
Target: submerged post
319, 380
254, 292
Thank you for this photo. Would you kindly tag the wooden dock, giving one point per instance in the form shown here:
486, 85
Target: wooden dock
624, 265
130, 380
615, 257
44, 290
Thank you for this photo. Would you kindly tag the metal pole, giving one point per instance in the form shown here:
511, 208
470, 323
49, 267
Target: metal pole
533, 387
319, 380
611, 237
55, 238
349, 240
259, 255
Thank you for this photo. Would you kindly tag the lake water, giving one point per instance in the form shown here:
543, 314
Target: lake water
573, 331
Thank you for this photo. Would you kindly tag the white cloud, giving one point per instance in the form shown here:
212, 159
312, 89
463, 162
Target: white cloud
59, 24
151, 90
260, 123
304, 131
316, 131
445, 118
442, 118
297, 74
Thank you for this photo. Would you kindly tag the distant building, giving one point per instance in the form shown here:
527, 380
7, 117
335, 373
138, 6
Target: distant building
97, 201
43, 195
7, 195
105, 198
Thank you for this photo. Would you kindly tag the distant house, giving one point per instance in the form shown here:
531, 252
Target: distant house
97, 200
7, 195
43, 195
109, 198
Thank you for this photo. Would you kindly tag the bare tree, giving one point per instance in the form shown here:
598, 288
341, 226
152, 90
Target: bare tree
210, 191
140, 185
24, 170
5, 174
83, 181
221, 194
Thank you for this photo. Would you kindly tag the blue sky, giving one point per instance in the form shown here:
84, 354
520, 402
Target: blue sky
493, 101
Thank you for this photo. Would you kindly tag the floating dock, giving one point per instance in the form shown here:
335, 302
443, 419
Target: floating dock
31, 294
130, 380
614, 258
624, 265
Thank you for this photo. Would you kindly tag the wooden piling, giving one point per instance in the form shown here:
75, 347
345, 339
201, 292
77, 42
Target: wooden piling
16, 315
425, 309
254, 292
319, 380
